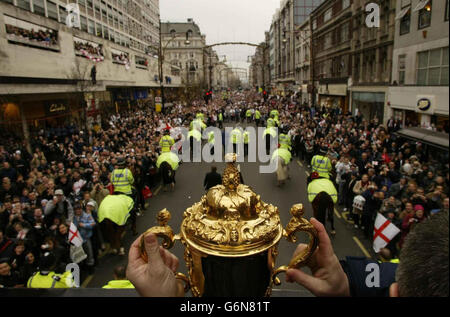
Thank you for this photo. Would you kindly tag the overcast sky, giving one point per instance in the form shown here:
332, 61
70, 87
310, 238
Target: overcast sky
225, 21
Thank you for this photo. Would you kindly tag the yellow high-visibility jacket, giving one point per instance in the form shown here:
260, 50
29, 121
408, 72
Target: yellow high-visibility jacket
122, 179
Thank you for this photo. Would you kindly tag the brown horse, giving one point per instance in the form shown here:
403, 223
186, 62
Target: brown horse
323, 205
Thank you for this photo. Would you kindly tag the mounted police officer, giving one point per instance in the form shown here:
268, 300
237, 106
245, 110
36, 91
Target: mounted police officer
321, 163
166, 141
285, 140
123, 180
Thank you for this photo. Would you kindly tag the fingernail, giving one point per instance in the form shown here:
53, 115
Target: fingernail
150, 239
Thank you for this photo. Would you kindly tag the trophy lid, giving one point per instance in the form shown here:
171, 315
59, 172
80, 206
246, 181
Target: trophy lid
231, 220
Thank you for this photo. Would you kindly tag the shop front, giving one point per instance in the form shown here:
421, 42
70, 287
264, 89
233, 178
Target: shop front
333, 96
425, 107
369, 104
41, 111
97, 104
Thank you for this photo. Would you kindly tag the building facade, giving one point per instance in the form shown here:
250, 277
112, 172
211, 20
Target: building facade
419, 91
331, 25
283, 36
183, 47
47, 66
303, 60
371, 60
259, 72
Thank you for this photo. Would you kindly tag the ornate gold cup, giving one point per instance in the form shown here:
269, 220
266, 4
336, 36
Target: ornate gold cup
231, 239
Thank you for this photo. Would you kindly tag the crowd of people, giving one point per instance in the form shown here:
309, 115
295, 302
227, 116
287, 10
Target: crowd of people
66, 176
48, 37
89, 49
121, 58
63, 180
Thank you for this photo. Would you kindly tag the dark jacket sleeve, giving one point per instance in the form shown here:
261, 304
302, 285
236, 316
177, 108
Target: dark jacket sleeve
355, 268
205, 181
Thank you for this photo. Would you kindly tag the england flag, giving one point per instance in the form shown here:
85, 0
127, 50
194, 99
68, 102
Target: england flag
74, 236
384, 231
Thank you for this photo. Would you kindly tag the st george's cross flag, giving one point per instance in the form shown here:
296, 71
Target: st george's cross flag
75, 236
384, 231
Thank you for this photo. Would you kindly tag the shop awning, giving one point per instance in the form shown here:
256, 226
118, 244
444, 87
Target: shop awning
402, 13
436, 139
421, 5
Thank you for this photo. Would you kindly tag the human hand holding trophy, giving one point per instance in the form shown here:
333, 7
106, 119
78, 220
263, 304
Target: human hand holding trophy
231, 239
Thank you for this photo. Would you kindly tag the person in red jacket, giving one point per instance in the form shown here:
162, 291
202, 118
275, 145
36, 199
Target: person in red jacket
411, 220
385, 156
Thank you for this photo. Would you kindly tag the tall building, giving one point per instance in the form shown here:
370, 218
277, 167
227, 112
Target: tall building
303, 60
288, 17
419, 90
47, 65
331, 24
371, 60
259, 71
183, 47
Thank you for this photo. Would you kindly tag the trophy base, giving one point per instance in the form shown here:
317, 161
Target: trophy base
236, 277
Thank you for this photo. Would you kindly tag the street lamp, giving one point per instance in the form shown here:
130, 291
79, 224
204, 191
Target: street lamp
161, 57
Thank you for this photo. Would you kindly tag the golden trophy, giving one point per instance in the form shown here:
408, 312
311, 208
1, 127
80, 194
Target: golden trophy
231, 239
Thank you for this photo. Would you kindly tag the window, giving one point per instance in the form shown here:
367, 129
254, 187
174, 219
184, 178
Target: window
446, 10
52, 11
62, 14
24, 4
39, 7
425, 16
345, 4
314, 24
89, 4
83, 23
405, 22
97, 10
99, 30
401, 69
344, 32
91, 27
327, 40
432, 67
327, 15
105, 33
110, 17
111, 35
104, 18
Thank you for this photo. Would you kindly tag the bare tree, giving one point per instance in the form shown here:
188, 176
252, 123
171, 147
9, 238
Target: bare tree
81, 75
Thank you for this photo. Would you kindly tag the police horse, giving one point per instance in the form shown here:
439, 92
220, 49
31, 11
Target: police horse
323, 195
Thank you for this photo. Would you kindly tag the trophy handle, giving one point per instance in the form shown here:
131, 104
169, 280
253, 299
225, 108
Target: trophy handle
297, 224
185, 279
166, 233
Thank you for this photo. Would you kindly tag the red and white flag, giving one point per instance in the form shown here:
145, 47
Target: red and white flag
75, 236
384, 231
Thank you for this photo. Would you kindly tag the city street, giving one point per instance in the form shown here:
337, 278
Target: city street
189, 189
